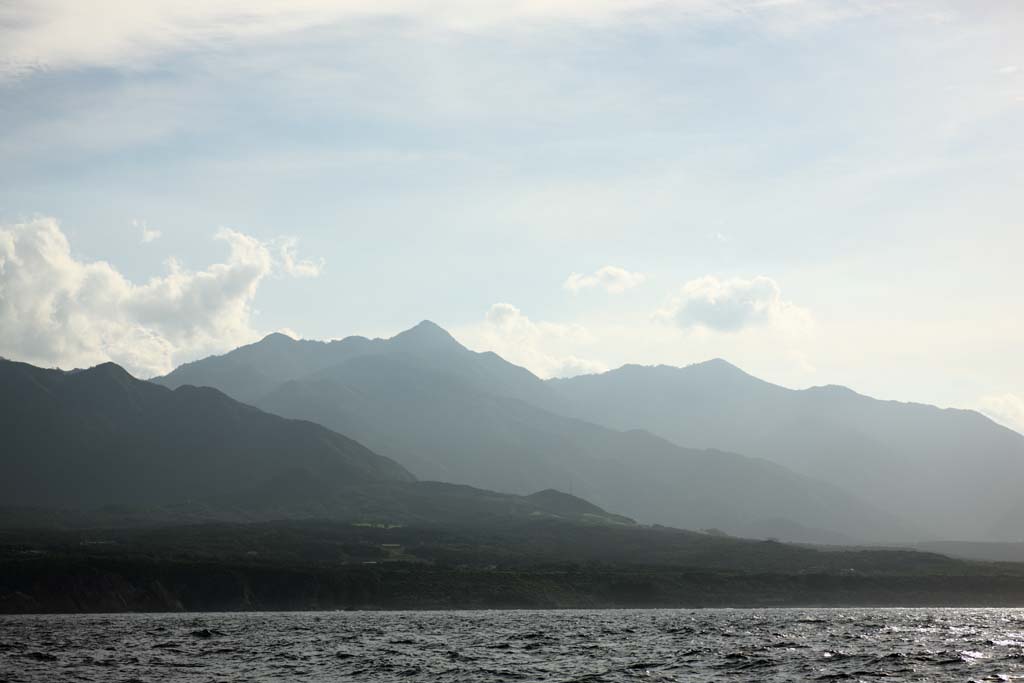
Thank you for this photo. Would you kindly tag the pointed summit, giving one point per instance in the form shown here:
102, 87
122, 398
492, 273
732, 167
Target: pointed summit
108, 371
716, 365
425, 327
110, 384
426, 336
276, 338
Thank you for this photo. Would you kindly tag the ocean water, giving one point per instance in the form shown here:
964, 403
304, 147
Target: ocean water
593, 646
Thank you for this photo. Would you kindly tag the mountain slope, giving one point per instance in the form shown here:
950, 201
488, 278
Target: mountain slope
100, 436
117, 450
251, 372
953, 472
450, 414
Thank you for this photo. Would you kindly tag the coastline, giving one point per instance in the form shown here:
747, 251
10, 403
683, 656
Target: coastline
106, 585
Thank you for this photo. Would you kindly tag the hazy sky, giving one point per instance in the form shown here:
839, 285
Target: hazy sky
819, 191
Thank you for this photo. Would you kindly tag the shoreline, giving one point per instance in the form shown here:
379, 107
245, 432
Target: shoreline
133, 586
477, 610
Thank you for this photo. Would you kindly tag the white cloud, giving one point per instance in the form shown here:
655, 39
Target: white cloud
39, 35
570, 366
611, 278
546, 349
148, 234
733, 305
1007, 409
58, 310
295, 267
45, 34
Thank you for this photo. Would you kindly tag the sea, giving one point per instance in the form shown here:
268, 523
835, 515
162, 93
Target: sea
500, 645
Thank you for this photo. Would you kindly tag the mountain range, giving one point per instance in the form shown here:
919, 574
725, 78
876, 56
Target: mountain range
451, 414
951, 473
700, 446
418, 427
108, 448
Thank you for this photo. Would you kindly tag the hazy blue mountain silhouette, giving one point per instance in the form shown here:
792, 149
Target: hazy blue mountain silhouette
953, 473
451, 414
251, 372
99, 438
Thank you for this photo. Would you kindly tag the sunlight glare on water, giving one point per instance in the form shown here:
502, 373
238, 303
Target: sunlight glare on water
611, 645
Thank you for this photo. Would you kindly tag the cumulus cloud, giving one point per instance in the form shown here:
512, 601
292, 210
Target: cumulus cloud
58, 310
611, 278
733, 305
544, 348
1006, 409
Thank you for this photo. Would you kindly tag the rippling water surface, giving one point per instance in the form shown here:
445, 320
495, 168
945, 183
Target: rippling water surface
665, 645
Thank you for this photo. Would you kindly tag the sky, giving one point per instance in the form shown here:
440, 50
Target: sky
819, 191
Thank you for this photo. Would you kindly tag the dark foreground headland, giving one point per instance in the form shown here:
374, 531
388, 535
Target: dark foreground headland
319, 565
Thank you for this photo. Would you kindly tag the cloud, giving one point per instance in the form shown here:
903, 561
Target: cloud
293, 266
46, 34
39, 35
1006, 409
612, 278
58, 310
544, 348
733, 305
148, 234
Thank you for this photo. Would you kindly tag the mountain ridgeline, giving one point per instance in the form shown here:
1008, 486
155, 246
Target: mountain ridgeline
350, 429
450, 414
122, 495
953, 474
99, 447
702, 446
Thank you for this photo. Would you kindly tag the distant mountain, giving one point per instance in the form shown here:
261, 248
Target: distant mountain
953, 473
250, 373
450, 414
116, 450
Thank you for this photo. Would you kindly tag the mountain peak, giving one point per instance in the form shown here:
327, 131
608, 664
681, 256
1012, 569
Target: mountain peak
425, 335
716, 364
108, 369
276, 338
834, 389
427, 327
107, 380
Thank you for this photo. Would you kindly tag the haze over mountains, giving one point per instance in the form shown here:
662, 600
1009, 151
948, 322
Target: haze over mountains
118, 494
819, 464
842, 467
348, 425
952, 473
111, 448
